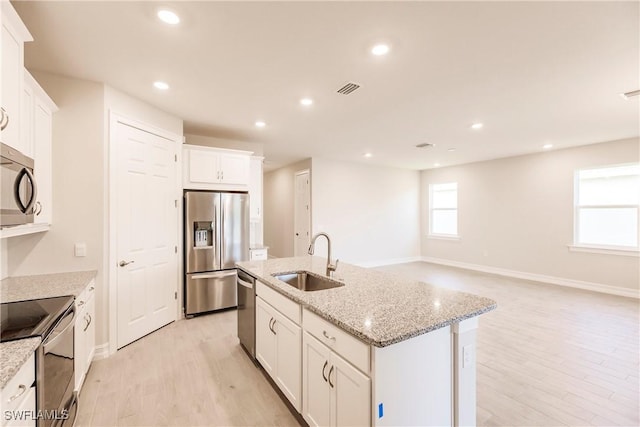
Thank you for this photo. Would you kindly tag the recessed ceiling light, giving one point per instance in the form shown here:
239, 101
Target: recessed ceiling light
306, 101
451, 149
260, 124
436, 164
631, 94
368, 155
477, 126
547, 146
168, 17
380, 49
160, 85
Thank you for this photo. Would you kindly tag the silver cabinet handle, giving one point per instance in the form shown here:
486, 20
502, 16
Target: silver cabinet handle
329, 376
88, 322
326, 362
123, 263
21, 389
327, 336
272, 324
5, 119
80, 304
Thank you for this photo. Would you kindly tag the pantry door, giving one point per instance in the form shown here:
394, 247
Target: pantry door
146, 221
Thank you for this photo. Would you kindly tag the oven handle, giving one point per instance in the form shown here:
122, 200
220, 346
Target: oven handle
54, 337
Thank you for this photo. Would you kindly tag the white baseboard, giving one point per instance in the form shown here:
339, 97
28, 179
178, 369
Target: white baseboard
101, 351
560, 281
380, 263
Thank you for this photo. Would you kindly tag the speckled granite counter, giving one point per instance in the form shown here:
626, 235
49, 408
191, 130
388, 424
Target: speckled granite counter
44, 285
13, 355
379, 308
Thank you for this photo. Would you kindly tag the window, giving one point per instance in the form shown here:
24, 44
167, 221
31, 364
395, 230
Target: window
443, 209
606, 206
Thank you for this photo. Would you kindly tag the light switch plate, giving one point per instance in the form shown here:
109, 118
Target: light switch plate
80, 249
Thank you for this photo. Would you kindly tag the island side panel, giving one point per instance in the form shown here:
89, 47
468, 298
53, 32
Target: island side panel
464, 373
413, 381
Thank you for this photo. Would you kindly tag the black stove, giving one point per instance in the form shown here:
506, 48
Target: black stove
24, 319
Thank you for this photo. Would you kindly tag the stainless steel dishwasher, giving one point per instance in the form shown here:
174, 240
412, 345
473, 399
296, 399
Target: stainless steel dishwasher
247, 312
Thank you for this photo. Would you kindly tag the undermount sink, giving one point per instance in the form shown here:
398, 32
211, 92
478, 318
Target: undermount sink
307, 281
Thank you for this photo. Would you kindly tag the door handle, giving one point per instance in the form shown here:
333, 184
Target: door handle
123, 263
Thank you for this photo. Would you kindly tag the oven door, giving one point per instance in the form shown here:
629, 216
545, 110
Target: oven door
55, 371
18, 188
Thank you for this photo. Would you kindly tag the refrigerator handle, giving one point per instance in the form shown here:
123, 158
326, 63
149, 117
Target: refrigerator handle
222, 201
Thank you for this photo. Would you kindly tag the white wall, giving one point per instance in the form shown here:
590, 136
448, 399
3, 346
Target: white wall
371, 213
80, 183
517, 214
278, 205
208, 141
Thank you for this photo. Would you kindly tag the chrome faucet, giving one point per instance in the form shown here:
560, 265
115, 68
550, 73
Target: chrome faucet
331, 268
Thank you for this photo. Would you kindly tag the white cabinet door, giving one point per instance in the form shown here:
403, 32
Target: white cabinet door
335, 393
42, 137
265, 337
12, 65
255, 189
351, 394
288, 360
316, 396
90, 330
26, 121
234, 169
203, 167
278, 346
84, 335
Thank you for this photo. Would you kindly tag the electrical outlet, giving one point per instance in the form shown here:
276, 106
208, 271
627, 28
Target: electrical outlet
80, 249
467, 355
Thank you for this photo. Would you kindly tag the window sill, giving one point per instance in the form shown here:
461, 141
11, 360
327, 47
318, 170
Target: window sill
605, 250
443, 237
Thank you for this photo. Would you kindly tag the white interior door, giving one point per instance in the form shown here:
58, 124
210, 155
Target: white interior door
302, 213
146, 232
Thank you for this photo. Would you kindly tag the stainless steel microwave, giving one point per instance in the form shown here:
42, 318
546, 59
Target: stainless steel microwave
18, 187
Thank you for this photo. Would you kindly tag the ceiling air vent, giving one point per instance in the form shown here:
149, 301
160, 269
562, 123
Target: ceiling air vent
425, 145
348, 88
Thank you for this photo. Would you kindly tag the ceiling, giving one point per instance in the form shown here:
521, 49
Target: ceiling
533, 73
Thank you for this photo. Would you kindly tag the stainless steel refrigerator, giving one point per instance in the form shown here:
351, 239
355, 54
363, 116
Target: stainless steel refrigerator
216, 236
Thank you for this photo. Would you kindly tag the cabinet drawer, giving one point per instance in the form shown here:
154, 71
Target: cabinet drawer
85, 295
281, 303
348, 346
18, 389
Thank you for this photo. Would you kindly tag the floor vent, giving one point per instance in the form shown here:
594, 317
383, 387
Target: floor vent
348, 88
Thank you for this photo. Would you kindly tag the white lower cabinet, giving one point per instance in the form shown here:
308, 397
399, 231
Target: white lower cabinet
335, 393
19, 397
84, 334
278, 345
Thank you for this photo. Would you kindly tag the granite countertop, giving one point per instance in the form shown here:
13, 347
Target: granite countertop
44, 285
13, 354
378, 307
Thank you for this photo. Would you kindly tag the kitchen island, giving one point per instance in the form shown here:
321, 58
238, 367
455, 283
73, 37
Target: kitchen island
377, 350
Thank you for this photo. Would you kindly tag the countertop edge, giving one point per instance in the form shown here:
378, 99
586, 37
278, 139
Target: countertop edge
13, 366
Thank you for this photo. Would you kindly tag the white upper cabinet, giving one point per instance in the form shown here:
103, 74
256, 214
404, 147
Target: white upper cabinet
206, 168
39, 109
255, 189
13, 36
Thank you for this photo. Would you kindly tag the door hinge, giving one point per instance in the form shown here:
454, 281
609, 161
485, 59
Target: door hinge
175, 295
175, 249
175, 203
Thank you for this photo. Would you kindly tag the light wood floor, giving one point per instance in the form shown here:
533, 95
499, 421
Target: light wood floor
548, 356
